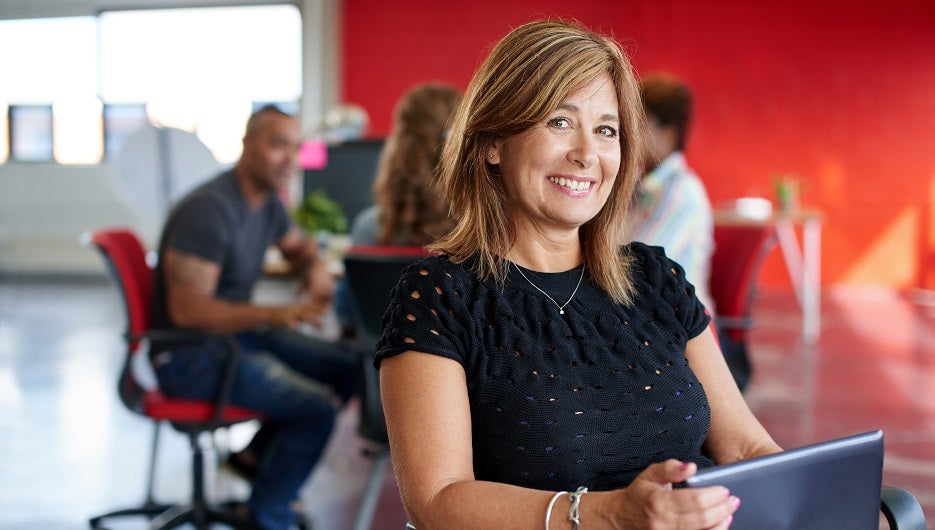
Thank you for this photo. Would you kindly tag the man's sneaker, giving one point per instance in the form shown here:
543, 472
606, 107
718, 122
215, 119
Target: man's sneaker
238, 464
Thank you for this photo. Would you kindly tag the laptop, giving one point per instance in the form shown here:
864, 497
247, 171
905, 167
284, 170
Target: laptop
827, 485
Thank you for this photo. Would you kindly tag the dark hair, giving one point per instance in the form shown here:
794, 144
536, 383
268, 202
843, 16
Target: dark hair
270, 109
668, 101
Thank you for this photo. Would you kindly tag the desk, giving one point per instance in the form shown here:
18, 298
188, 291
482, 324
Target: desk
276, 266
803, 261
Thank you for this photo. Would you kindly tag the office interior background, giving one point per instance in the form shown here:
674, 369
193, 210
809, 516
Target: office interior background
836, 96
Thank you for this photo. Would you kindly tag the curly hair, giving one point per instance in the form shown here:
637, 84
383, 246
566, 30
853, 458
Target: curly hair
412, 210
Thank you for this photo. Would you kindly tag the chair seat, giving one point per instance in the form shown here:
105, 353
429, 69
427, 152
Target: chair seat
158, 406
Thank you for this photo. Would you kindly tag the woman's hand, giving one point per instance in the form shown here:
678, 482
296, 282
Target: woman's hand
650, 502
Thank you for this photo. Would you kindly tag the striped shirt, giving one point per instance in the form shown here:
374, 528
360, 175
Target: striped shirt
672, 210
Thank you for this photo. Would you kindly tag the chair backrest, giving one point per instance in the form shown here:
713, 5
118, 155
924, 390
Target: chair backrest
125, 256
372, 272
739, 250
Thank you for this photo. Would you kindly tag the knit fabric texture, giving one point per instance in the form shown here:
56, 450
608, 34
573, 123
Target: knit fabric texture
588, 398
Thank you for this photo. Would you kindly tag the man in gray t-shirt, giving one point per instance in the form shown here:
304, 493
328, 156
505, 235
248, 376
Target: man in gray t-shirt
210, 257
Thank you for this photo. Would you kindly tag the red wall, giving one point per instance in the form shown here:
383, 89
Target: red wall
840, 94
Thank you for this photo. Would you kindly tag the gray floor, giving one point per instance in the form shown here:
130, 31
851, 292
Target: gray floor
68, 448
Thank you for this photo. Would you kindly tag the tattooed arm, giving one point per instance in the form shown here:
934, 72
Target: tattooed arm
191, 282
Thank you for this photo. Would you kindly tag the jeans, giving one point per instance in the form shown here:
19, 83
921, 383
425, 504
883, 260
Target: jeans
298, 383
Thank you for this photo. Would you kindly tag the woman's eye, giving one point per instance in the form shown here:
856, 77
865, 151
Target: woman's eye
560, 123
608, 131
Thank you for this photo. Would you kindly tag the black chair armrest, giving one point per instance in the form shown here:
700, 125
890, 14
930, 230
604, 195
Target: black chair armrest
227, 383
901, 509
183, 336
175, 336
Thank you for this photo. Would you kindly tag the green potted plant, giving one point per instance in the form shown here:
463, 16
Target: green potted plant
318, 215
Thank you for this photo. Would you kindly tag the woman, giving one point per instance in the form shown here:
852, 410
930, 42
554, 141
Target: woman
533, 356
408, 208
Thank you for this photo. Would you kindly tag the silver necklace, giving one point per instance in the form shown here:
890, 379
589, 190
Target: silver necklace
561, 308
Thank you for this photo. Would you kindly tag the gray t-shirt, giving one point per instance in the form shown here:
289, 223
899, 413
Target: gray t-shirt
366, 225
215, 223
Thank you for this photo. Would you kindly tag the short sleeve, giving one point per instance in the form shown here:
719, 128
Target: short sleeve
427, 313
667, 284
281, 220
201, 226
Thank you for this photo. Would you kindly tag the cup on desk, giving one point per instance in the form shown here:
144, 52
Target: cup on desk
333, 248
337, 245
753, 207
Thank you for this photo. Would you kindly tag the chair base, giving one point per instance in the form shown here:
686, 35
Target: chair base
166, 516
150, 510
200, 517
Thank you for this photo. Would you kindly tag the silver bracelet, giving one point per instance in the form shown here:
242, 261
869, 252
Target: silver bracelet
548, 511
575, 499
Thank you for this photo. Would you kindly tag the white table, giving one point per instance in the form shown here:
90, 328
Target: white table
802, 258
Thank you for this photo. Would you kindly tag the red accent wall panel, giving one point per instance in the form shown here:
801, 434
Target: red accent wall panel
839, 94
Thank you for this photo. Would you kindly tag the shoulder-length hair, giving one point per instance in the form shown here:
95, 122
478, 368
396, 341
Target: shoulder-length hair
527, 75
412, 209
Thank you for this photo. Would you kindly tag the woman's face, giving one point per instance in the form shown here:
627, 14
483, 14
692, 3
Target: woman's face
558, 174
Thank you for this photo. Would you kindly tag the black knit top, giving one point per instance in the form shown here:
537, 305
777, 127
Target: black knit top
587, 398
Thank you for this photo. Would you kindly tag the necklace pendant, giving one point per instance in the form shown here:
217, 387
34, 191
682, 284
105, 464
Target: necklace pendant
561, 308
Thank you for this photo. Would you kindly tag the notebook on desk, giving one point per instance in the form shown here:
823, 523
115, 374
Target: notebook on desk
828, 485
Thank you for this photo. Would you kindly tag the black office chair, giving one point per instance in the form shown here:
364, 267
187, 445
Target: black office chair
372, 272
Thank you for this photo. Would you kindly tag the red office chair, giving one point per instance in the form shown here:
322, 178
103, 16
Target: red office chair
125, 257
372, 272
739, 251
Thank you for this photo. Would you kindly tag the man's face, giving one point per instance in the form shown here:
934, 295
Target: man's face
271, 153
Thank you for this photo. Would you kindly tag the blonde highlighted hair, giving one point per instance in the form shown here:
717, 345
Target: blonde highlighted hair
527, 75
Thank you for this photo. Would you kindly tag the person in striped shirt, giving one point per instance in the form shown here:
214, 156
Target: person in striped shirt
671, 207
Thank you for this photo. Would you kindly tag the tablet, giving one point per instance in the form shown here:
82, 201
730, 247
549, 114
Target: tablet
828, 485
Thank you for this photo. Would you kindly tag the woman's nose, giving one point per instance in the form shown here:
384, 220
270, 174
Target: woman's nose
583, 152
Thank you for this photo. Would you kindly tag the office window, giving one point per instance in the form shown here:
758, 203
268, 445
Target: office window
48, 63
120, 121
31, 133
196, 69
78, 130
4, 133
45, 59
200, 69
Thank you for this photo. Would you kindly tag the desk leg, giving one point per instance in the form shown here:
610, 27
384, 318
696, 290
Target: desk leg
804, 267
811, 281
